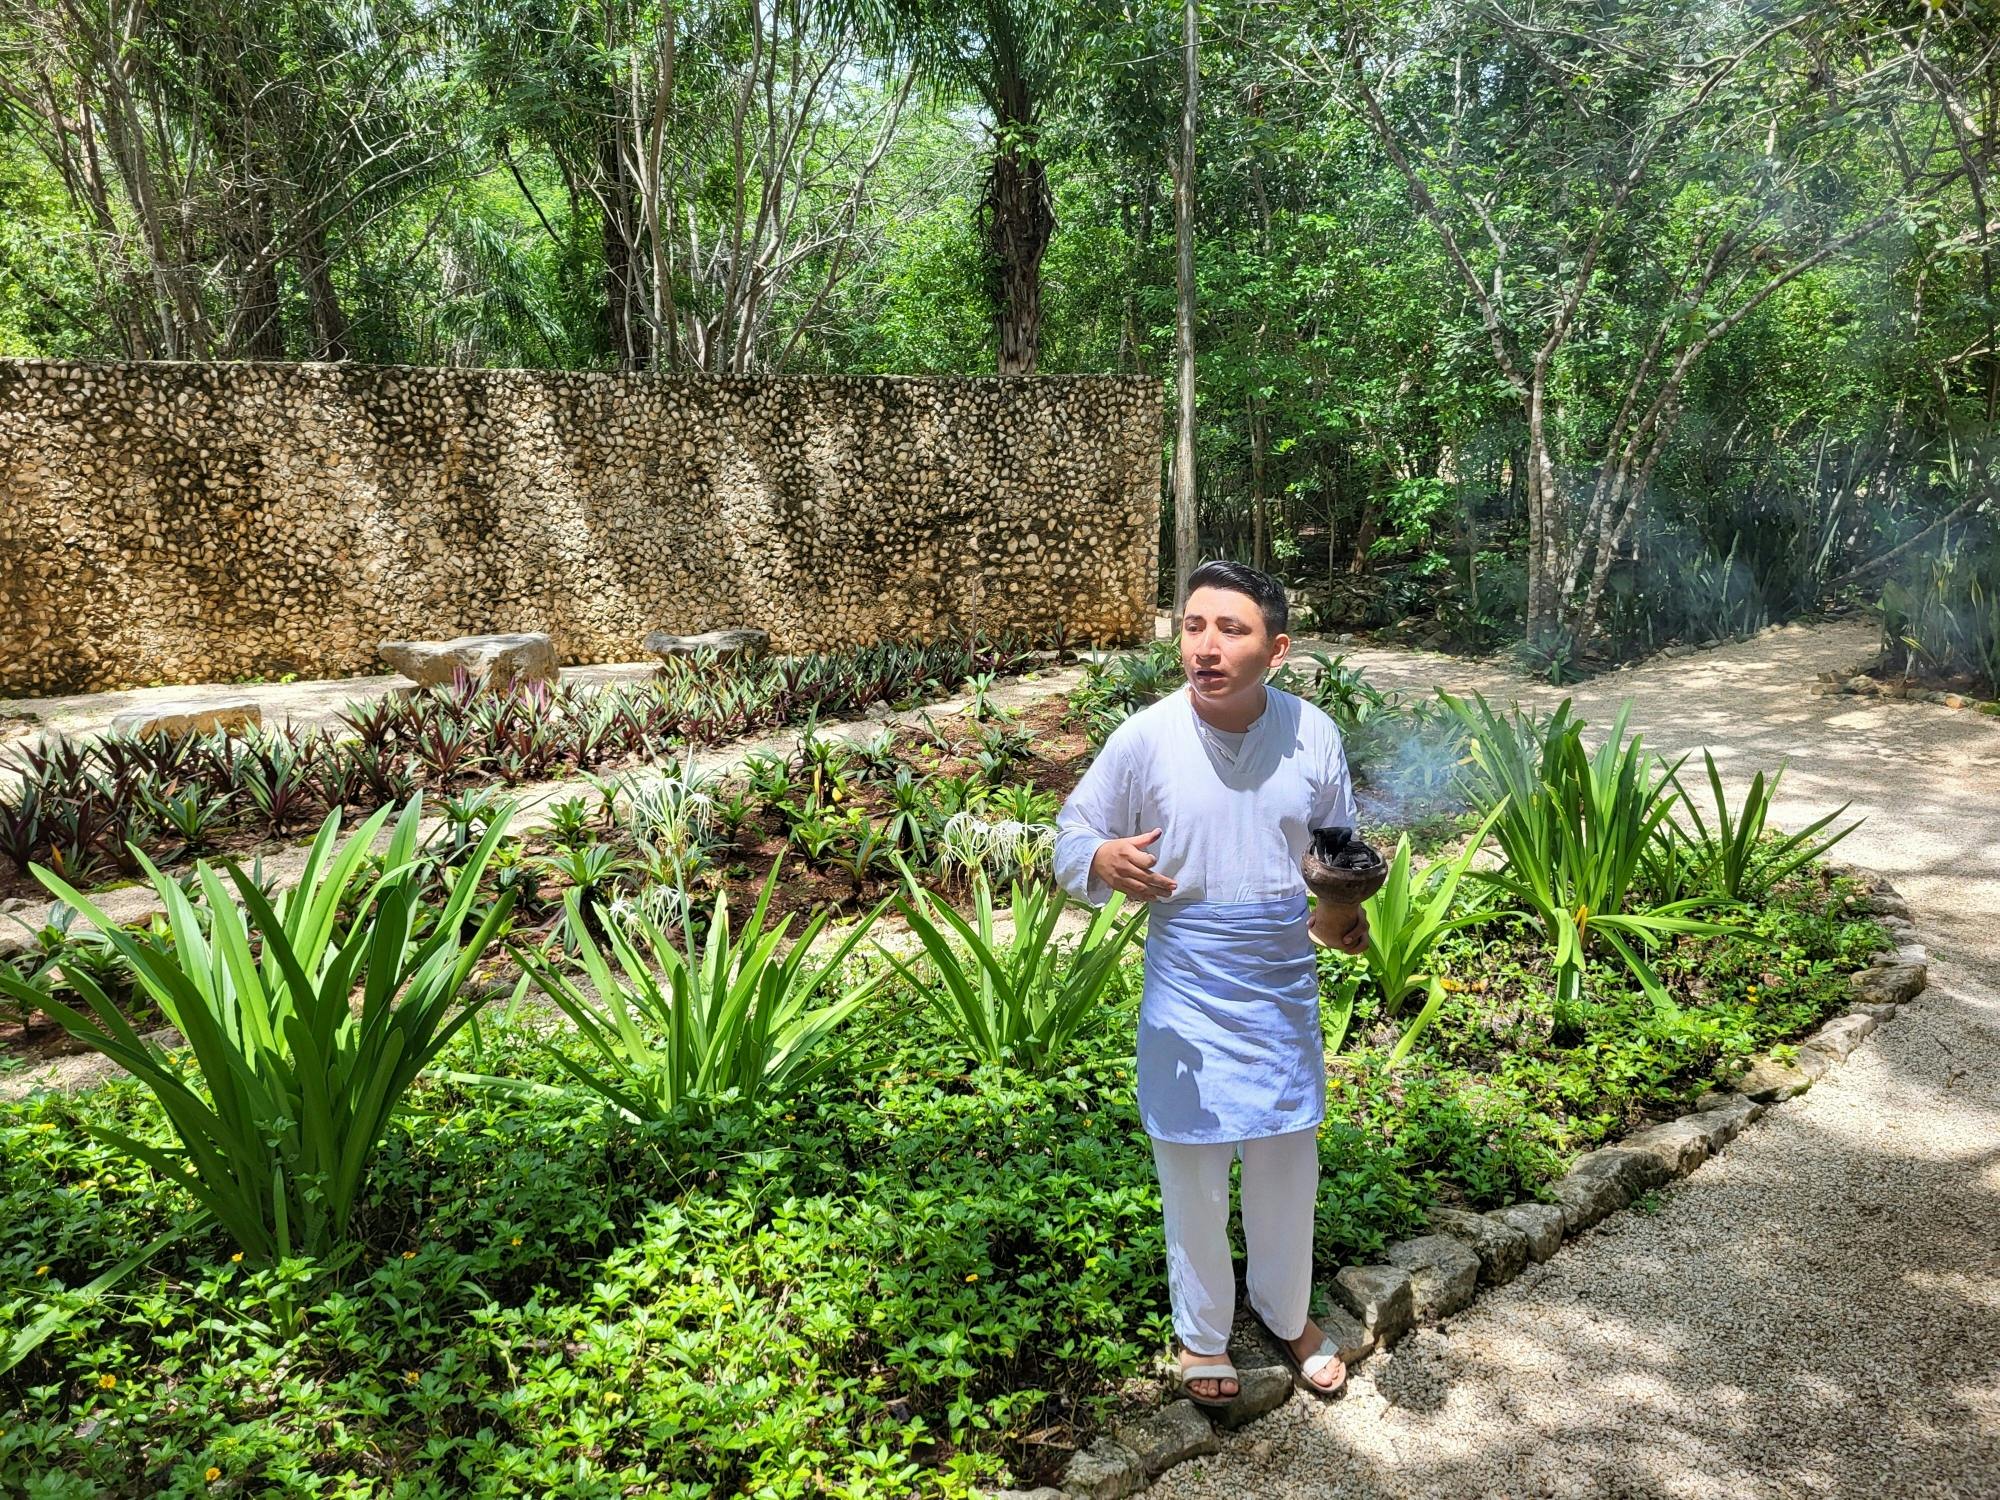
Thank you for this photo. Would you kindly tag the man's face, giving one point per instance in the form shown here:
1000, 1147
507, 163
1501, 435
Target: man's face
1225, 648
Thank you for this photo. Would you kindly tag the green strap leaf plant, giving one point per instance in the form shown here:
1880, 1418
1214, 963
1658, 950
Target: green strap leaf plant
672, 1029
1734, 859
1579, 831
303, 1033
1022, 1002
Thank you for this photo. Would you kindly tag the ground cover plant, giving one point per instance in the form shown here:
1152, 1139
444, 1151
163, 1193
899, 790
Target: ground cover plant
935, 1259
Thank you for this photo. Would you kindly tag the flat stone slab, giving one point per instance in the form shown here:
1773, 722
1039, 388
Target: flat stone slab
1890, 984
1539, 1224
183, 716
1381, 1299
1444, 1275
724, 643
1501, 1248
1602, 1182
491, 660
1840, 1036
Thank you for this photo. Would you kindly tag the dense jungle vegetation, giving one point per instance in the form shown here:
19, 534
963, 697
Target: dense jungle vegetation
1588, 326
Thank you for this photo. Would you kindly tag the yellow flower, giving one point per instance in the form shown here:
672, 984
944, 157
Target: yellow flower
45, 1127
41, 1270
236, 1259
409, 1255
411, 1377
612, 1398
107, 1382
973, 1277
213, 1474
516, 1240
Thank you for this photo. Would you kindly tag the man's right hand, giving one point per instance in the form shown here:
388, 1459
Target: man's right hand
1124, 865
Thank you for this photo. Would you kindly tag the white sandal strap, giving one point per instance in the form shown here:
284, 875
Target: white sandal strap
1328, 1353
1222, 1371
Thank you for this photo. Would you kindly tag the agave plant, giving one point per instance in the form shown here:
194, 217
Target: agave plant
1025, 1001
740, 1020
303, 1033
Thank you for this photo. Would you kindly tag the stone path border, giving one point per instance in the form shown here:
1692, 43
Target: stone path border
1432, 1277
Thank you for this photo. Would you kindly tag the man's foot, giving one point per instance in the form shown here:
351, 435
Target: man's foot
1206, 1388
1326, 1378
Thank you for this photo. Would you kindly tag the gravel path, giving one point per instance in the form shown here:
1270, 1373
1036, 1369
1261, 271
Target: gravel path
1814, 1313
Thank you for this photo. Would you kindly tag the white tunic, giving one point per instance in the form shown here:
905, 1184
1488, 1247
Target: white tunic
1229, 1045
1230, 832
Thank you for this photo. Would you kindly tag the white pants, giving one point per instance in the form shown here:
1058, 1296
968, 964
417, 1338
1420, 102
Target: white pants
1280, 1187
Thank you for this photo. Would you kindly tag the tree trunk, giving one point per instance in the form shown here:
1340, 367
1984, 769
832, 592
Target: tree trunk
1260, 507
328, 320
622, 314
1186, 520
1016, 220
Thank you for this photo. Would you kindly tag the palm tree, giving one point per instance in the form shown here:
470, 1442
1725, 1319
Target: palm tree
1008, 54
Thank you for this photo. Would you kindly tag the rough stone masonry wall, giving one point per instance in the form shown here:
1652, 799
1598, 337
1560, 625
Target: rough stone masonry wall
181, 523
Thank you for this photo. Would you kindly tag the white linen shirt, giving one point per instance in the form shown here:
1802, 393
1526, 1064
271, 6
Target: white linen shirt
1230, 833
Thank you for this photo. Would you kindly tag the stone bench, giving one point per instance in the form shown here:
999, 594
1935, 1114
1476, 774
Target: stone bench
497, 661
182, 716
726, 644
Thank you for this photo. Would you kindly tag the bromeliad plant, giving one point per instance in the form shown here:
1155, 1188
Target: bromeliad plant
303, 1032
1580, 831
1021, 1003
672, 1028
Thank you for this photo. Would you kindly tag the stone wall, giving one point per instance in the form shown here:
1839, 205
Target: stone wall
182, 523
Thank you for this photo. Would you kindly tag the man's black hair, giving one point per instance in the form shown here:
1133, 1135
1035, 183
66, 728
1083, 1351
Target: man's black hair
1241, 578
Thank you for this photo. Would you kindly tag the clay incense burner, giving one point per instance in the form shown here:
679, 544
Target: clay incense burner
1340, 869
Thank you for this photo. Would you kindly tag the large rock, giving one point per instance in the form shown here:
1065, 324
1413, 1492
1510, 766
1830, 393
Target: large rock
1885, 903
1770, 1081
491, 660
724, 643
1381, 1299
1354, 1342
1444, 1275
1539, 1224
1501, 1248
1603, 1182
188, 716
1725, 1121
1890, 984
1176, 1432
1106, 1470
1259, 1389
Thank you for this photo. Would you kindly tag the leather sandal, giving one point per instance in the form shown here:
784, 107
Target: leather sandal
1328, 1353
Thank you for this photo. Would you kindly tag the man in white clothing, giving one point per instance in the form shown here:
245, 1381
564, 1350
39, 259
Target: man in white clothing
1203, 804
